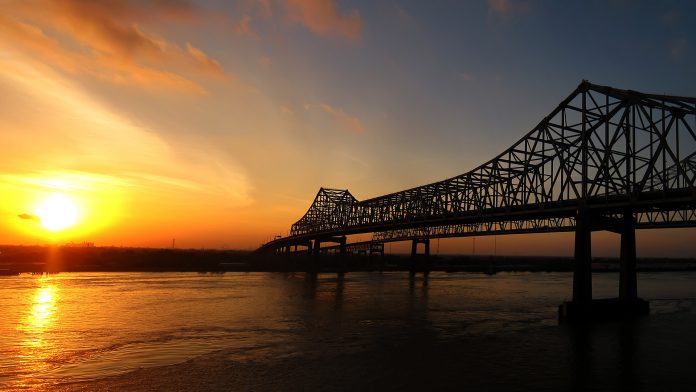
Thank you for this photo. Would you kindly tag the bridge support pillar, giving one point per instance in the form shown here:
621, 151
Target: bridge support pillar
414, 246
582, 307
582, 276
342, 241
317, 247
420, 261
343, 248
628, 279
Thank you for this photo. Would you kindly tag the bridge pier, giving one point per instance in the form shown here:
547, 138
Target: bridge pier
628, 279
582, 276
317, 247
414, 247
420, 261
342, 249
583, 307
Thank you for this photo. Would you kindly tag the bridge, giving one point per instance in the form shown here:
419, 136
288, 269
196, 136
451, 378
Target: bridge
603, 159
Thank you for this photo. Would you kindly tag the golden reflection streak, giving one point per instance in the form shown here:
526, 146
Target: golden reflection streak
37, 325
42, 308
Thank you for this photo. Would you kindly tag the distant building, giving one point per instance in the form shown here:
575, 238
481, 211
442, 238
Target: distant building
79, 245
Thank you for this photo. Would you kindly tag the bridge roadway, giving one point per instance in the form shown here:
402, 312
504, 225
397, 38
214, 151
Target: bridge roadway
603, 159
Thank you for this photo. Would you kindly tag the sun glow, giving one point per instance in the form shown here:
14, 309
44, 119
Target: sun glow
58, 212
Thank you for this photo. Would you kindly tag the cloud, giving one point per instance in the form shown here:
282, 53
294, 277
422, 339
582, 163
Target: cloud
506, 8
670, 18
29, 217
466, 77
500, 6
243, 27
204, 62
78, 134
342, 118
678, 49
108, 41
265, 62
322, 17
262, 7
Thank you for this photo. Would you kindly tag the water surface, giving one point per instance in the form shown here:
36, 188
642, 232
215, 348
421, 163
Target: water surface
269, 331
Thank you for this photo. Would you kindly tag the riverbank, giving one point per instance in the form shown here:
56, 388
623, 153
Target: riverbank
52, 259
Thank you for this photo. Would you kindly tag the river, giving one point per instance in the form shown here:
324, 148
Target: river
358, 331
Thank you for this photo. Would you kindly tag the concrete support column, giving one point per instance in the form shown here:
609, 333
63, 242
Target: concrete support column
420, 262
426, 244
628, 280
317, 247
582, 276
342, 246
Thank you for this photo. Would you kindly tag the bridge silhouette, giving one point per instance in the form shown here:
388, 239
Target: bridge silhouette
603, 159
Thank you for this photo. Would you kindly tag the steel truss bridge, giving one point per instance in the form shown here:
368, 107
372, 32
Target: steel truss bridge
603, 159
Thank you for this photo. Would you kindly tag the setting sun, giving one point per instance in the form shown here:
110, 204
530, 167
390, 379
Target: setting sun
57, 212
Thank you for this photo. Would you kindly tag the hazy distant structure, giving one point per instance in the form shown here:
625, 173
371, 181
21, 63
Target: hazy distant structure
603, 159
84, 244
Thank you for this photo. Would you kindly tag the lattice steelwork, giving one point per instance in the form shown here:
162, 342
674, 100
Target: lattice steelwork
330, 209
604, 148
644, 220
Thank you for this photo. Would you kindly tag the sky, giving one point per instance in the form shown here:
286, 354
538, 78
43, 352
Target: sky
215, 122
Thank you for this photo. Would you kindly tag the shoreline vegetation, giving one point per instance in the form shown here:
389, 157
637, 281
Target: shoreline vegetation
15, 259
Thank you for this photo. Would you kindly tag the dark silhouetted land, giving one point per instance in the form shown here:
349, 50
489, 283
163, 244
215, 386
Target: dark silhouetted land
17, 259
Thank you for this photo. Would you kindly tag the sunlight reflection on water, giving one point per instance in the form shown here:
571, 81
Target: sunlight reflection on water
82, 326
37, 329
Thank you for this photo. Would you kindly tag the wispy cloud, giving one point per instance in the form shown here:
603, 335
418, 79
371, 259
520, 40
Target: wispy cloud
243, 27
108, 40
506, 8
324, 18
286, 110
678, 49
670, 18
31, 217
265, 62
343, 119
500, 6
466, 77
81, 135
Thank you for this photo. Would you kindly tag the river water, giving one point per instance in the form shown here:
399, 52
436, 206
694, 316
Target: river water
358, 331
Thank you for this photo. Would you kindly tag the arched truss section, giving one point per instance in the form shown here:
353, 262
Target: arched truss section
330, 210
603, 147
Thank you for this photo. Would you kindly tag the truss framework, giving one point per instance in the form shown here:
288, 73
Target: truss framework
604, 148
644, 220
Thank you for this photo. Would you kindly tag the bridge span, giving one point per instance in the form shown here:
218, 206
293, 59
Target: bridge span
603, 159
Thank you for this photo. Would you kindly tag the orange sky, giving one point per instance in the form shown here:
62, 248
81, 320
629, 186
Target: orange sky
216, 124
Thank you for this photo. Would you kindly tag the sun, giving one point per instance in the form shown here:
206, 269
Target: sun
57, 212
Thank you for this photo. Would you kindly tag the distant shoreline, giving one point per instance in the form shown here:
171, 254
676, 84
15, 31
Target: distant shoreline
28, 259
